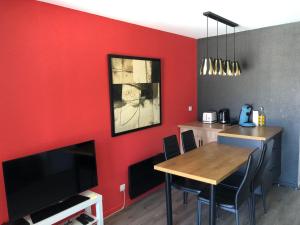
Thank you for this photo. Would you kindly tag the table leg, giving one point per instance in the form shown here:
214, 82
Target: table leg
169, 199
99, 212
212, 206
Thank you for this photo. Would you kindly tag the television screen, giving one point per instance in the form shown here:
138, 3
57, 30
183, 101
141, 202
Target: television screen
37, 181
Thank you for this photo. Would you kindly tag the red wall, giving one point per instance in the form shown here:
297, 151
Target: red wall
54, 87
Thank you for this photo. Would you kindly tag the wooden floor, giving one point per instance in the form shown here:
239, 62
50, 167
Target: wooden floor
283, 209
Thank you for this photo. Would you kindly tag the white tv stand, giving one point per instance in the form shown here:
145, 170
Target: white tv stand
94, 199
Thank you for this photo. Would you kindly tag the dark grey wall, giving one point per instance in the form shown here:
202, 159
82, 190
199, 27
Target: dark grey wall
270, 59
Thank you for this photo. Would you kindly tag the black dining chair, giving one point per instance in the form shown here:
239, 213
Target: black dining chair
258, 187
188, 140
171, 150
188, 144
230, 199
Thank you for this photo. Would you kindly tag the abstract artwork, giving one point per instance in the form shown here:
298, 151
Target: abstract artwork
135, 93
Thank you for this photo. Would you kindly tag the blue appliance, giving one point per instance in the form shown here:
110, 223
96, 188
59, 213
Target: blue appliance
245, 116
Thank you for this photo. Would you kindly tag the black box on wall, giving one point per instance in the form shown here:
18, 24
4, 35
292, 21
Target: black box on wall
142, 177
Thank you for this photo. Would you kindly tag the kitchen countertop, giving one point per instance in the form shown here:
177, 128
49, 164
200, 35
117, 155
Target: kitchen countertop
251, 133
208, 126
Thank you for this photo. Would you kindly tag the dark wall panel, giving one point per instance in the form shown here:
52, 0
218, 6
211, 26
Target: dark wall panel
270, 59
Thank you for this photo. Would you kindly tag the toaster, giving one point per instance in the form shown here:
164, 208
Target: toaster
209, 117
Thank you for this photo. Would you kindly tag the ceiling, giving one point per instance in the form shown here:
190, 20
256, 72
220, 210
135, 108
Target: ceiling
185, 17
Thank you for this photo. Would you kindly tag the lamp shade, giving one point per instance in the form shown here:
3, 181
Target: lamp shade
237, 69
215, 67
210, 66
218, 66
229, 68
204, 67
224, 68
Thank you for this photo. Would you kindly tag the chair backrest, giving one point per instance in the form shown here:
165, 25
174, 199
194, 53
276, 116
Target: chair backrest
244, 190
171, 147
188, 140
264, 161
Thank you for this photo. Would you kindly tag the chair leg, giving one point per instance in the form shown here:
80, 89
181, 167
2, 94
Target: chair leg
185, 198
218, 213
237, 218
250, 211
253, 208
263, 195
198, 213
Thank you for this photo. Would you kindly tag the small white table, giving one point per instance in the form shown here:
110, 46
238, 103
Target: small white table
94, 199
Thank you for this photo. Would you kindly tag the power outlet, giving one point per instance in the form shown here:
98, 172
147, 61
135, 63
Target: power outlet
122, 187
190, 108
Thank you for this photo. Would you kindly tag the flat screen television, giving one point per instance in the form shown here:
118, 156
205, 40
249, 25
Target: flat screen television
35, 182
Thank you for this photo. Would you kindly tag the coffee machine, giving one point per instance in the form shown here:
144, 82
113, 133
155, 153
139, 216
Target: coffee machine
245, 116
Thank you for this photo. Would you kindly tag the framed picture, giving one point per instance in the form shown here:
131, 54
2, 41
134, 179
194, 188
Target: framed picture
135, 93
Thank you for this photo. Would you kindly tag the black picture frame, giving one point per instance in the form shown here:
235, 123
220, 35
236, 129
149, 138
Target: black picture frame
135, 93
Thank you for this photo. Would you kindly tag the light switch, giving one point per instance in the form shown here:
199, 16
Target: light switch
190, 108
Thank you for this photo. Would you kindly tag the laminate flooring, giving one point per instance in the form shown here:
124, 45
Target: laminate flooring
283, 209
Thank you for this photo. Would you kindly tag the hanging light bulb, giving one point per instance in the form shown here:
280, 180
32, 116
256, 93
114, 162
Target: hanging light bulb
206, 63
229, 68
224, 60
215, 67
206, 67
228, 65
218, 65
210, 66
235, 64
210, 60
234, 70
238, 70
203, 67
224, 67
215, 63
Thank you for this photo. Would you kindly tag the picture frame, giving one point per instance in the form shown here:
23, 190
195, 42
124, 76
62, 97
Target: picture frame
135, 93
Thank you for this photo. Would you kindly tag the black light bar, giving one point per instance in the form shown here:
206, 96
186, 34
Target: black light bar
220, 19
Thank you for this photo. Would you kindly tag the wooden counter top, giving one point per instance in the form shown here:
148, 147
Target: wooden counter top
208, 126
252, 133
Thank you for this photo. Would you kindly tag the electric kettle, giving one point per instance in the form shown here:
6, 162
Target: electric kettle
224, 116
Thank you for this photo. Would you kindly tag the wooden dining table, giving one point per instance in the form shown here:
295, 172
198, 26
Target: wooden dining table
211, 164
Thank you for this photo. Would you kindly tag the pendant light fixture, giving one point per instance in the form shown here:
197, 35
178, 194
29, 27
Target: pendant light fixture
203, 67
218, 65
210, 59
215, 66
210, 66
224, 61
207, 62
227, 62
235, 64
204, 63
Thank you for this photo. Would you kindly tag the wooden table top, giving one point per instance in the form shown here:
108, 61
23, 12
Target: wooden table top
252, 133
211, 163
208, 126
